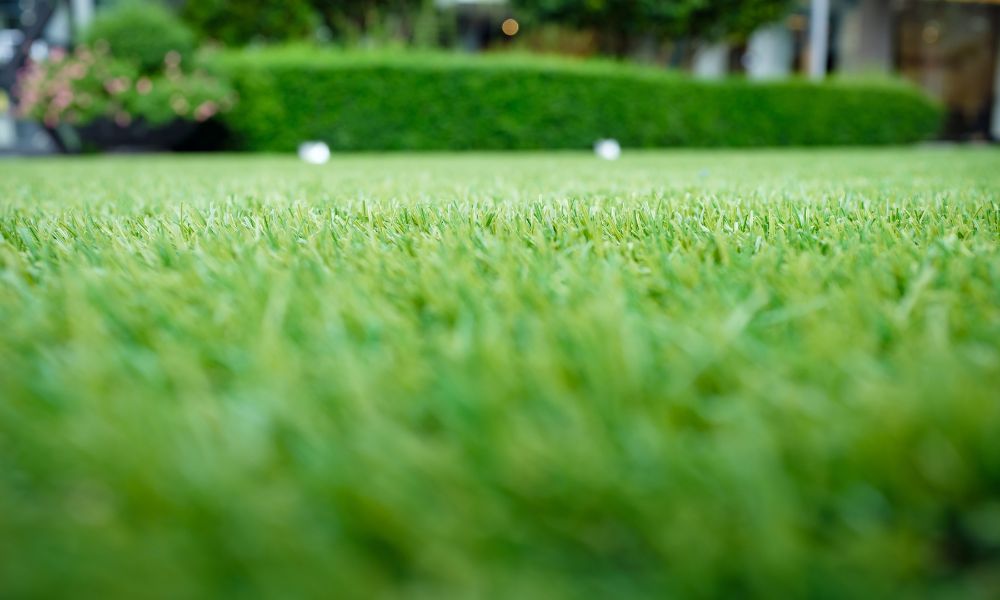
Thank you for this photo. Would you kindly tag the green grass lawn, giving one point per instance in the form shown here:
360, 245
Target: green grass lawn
706, 374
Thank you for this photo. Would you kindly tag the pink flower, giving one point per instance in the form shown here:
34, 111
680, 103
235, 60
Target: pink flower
206, 110
144, 85
123, 119
117, 85
57, 55
28, 97
63, 99
77, 71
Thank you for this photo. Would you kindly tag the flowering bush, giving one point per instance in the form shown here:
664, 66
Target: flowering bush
90, 84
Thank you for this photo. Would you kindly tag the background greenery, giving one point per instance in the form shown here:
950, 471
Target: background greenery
617, 26
141, 33
420, 101
239, 22
680, 374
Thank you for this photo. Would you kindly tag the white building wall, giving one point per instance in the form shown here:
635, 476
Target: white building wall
711, 61
83, 12
865, 40
770, 53
57, 32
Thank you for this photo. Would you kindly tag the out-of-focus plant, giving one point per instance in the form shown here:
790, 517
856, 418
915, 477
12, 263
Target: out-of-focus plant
348, 22
141, 34
90, 84
357, 18
735, 18
620, 23
241, 22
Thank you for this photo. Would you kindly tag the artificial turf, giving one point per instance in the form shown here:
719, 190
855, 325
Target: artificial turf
695, 374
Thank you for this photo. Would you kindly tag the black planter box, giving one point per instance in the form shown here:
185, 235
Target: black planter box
104, 135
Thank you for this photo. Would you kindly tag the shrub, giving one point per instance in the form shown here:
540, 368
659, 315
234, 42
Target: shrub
438, 102
141, 33
86, 85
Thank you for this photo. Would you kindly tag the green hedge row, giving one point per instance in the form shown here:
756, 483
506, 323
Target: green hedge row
443, 102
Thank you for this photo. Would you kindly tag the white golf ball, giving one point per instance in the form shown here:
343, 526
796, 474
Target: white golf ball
314, 153
608, 149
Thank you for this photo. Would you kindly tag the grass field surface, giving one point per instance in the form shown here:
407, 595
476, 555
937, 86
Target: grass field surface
686, 374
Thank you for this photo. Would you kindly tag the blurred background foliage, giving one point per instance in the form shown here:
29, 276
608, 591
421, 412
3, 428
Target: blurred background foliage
240, 22
617, 24
243, 22
141, 32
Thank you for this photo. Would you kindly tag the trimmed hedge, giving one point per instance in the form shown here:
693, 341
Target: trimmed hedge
444, 102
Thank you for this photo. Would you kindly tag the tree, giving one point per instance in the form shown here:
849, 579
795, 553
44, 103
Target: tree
240, 22
616, 21
359, 18
620, 22
736, 18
